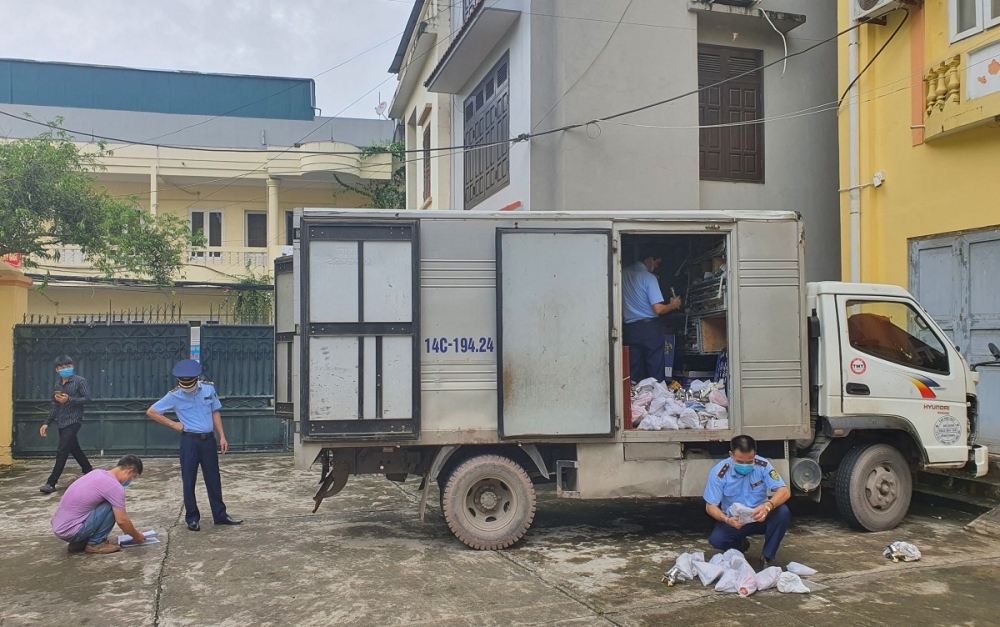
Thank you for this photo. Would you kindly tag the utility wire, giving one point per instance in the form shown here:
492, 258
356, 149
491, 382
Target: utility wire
872, 60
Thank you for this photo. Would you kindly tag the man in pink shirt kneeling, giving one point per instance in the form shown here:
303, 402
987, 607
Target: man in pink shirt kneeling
93, 504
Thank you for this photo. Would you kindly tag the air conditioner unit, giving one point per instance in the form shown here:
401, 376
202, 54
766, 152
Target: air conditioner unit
867, 10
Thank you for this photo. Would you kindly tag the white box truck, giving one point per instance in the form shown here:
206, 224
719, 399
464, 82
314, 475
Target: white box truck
483, 352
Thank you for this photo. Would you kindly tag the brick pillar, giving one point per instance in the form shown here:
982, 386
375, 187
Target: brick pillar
14, 295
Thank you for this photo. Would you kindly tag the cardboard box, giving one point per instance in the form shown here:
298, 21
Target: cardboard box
713, 334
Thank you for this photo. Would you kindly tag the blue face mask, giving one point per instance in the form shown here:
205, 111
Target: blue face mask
127, 483
65, 373
743, 469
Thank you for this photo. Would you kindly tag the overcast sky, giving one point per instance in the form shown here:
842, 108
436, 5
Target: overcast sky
300, 38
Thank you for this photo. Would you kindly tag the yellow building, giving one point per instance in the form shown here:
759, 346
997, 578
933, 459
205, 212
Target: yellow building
920, 152
231, 155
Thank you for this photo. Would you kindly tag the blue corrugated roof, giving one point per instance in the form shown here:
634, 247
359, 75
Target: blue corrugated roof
155, 91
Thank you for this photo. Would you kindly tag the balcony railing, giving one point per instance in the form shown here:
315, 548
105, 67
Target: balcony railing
228, 258
224, 259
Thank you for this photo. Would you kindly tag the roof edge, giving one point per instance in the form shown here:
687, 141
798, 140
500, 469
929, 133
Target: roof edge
404, 43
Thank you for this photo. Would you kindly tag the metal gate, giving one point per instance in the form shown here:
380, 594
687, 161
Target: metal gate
955, 278
128, 368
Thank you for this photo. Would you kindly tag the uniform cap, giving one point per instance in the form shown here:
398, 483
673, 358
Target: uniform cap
187, 369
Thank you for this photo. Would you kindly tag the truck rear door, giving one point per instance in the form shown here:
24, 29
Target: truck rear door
554, 324
359, 330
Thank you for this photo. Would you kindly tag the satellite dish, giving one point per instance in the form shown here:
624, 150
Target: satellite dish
380, 109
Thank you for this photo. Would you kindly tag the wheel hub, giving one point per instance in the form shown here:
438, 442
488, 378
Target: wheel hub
882, 487
487, 499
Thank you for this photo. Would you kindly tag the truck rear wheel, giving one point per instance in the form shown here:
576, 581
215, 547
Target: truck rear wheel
489, 502
874, 487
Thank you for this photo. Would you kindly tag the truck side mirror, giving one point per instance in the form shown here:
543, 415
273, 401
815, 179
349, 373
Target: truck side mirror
994, 351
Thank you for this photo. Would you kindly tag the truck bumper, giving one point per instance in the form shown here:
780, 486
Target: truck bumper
979, 459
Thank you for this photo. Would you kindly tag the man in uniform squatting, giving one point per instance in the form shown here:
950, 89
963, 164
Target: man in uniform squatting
643, 305
747, 478
197, 408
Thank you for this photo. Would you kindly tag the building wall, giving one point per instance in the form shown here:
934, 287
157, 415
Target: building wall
801, 156
933, 186
579, 75
420, 108
518, 41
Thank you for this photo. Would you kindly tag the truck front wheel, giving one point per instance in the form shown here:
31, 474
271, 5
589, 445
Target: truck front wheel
489, 502
873, 487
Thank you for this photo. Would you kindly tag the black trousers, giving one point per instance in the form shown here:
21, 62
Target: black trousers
69, 445
197, 452
645, 341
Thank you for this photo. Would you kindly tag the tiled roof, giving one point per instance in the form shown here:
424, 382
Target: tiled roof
473, 14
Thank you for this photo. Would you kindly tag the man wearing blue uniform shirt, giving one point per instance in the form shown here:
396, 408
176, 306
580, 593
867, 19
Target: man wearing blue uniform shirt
197, 408
747, 479
643, 305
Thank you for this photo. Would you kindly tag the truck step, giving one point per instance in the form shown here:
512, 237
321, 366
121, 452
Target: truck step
964, 493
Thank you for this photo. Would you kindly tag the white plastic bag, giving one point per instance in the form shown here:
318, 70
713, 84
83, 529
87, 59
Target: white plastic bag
791, 583
642, 399
718, 560
727, 583
686, 566
734, 558
718, 397
689, 419
657, 404
708, 572
718, 411
658, 423
717, 425
697, 385
647, 385
768, 578
744, 514
902, 551
698, 556
800, 570
746, 581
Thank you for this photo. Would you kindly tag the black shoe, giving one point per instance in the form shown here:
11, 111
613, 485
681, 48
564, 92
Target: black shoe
194, 526
746, 544
764, 562
48, 488
229, 520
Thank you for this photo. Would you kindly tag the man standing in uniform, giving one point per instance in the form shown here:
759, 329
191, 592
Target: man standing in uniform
197, 408
747, 478
643, 304
72, 393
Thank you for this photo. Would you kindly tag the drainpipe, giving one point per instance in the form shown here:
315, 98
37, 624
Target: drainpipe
854, 166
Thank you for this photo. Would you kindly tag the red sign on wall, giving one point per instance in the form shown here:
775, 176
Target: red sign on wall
13, 259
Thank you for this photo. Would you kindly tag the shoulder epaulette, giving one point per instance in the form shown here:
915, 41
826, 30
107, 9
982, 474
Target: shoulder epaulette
174, 390
761, 462
208, 383
723, 470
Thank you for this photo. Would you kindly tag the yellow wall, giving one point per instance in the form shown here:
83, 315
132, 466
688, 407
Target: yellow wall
946, 184
73, 301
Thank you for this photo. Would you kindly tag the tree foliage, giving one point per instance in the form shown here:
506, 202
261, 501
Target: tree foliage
250, 306
389, 194
49, 198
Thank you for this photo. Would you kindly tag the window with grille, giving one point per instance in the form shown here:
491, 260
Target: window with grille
427, 161
469, 7
487, 124
735, 152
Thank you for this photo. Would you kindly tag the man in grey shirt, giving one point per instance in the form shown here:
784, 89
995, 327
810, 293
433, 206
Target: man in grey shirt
72, 392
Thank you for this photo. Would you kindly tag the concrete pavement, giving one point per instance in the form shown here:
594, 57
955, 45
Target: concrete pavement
365, 559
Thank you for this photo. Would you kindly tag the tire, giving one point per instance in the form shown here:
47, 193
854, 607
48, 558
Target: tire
874, 487
489, 502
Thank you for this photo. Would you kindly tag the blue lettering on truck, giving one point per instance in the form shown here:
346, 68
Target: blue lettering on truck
459, 345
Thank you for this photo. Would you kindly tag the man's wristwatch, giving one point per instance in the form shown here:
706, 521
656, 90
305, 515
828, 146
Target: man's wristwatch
769, 506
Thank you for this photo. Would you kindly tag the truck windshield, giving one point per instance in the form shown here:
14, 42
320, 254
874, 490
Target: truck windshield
895, 332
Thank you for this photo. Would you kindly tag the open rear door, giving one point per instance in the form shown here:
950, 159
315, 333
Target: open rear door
285, 322
555, 370
360, 310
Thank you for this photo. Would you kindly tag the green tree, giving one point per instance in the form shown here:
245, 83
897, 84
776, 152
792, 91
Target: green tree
49, 198
250, 306
390, 194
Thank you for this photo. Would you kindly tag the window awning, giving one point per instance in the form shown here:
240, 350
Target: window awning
480, 34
